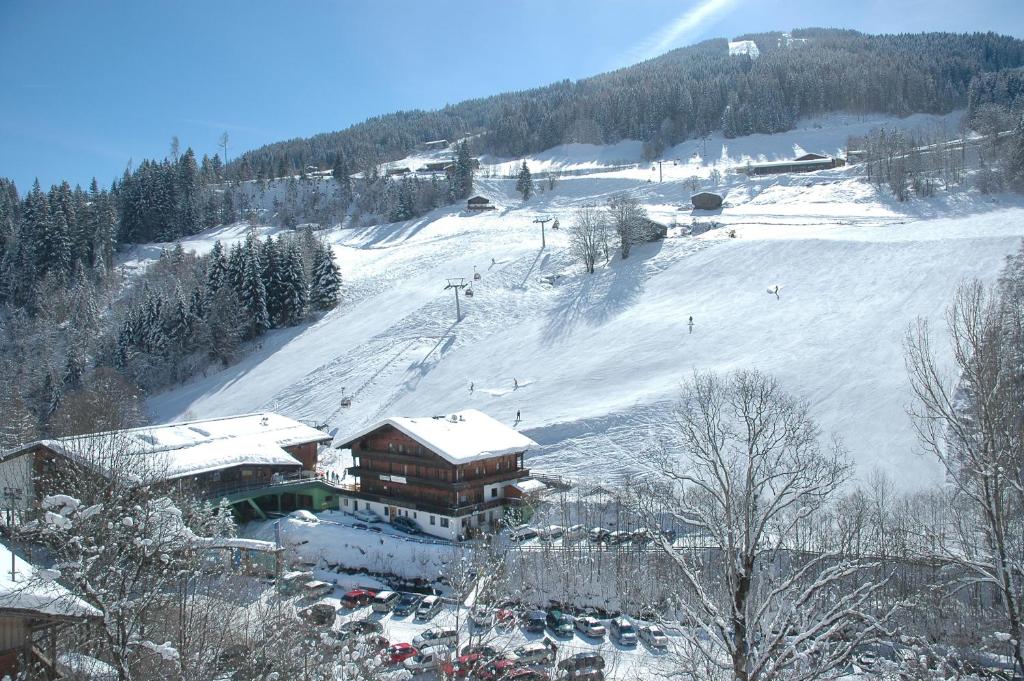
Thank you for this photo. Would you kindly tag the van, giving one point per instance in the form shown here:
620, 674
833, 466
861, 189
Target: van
428, 608
385, 601
623, 631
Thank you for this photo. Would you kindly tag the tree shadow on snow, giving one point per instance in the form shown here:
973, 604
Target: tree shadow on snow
593, 299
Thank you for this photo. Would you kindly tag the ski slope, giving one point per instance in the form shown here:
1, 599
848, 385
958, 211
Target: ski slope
596, 355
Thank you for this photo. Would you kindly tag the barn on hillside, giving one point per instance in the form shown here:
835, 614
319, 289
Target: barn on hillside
479, 203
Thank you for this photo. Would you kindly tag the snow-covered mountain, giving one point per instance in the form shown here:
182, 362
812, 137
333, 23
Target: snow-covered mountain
595, 355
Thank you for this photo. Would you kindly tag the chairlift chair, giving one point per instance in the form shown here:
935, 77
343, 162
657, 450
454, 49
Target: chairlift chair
346, 400
468, 292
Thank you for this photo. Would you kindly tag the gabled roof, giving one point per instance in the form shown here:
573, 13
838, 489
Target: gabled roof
27, 591
478, 199
462, 437
192, 447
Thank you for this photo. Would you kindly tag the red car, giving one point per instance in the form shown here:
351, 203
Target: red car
496, 670
462, 667
525, 675
399, 652
357, 597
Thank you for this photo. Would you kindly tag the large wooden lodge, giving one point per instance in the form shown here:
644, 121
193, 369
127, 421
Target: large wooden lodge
453, 475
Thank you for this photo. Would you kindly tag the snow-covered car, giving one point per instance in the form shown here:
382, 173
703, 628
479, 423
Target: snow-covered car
535, 620
356, 628
654, 637
623, 631
385, 601
316, 588
574, 533
533, 653
303, 516
590, 626
619, 537
481, 615
598, 535
551, 532
522, 533
321, 614
367, 516
642, 536
428, 658
436, 637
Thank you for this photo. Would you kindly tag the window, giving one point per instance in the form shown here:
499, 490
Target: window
345, 501
401, 449
494, 492
432, 519
391, 446
355, 504
444, 521
465, 522
413, 514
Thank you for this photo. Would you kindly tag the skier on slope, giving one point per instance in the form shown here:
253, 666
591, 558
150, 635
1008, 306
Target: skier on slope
691, 323
515, 384
471, 386
519, 416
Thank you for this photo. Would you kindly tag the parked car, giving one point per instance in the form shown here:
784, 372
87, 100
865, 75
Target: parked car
407, 525
360, 628
579, 662
654, 637
428, 608
320, 614
436, 637
559, 623
551, 532
385, 601
407, 604
590, 626
426, 659
598, 535
359, 526
398, 653
575, 532
482, 615
618, 537
464, 666
316, 588
367, 516
522, 533
375, 528
525, 675
642, 536
535, 620
357, 598
533, 653
487, 652
498, 669
623, 631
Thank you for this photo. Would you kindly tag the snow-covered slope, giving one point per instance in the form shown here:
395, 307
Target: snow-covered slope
595, 355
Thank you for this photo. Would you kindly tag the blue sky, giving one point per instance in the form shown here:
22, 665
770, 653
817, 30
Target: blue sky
90, 85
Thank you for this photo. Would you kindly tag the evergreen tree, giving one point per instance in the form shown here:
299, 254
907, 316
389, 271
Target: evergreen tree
342, 175
271, 276
292, 283
462, 175
524, 183
325, 285
253, 294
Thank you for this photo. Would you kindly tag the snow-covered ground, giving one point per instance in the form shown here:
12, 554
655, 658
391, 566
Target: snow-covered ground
595, 355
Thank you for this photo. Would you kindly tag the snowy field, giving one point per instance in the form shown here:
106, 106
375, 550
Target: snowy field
596, 355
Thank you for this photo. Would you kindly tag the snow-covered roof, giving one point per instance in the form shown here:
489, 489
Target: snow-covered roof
28, 590
808, 162
529, 486
462, 437
193, 447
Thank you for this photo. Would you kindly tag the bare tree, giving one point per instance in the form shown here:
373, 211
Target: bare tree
739, 460
175, 147
627, 217
223, 144
587, 235
973, 424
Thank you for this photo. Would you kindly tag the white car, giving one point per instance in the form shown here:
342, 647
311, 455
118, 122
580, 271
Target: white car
436, 637
654, 637
551, 532
533, 653
482, 616
367, 516
428, 658
590, 626
574, 533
